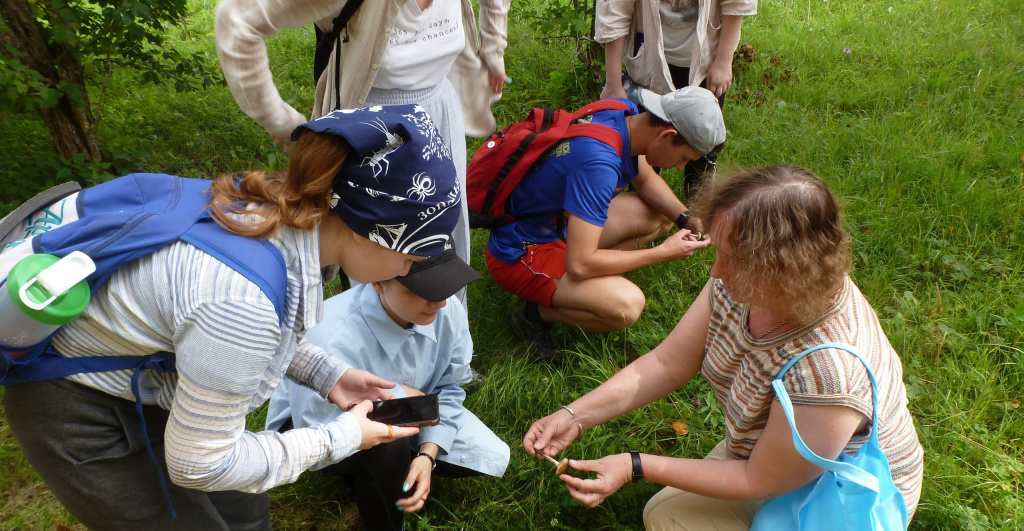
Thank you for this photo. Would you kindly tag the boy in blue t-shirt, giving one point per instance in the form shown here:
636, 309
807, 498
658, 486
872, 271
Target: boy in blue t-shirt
569, 266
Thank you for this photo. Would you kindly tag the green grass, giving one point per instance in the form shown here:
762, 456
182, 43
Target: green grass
918, 130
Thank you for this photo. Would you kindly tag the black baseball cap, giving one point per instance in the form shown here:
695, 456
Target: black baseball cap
439, 277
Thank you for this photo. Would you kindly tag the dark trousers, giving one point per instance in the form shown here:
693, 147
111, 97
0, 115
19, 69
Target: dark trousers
88, 448
378, 474
695, 170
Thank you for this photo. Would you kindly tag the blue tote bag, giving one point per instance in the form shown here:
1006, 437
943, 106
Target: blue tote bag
855, 493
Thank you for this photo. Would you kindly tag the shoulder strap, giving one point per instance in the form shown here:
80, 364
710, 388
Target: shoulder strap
601, 133
258, 260
848, 470
329, 41
598, 106
341, 21
50, 365
544, 119
325, 40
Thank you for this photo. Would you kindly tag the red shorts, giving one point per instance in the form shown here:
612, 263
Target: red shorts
532, 275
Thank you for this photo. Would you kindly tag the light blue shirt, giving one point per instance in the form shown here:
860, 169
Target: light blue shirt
433, 358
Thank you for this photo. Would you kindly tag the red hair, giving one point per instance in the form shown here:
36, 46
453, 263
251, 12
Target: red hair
298, 198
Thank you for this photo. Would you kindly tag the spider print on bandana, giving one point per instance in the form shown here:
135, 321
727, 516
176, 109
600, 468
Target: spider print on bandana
422, 187
435, 145
378, 159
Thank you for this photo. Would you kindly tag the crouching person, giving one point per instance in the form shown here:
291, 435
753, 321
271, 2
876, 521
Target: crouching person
412, 330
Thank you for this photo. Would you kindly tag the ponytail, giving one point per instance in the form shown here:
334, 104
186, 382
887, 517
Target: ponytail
298, 198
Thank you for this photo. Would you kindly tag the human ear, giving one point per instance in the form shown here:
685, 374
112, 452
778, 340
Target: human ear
669, 137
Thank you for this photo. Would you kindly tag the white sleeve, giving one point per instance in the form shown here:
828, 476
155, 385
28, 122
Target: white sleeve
241, 29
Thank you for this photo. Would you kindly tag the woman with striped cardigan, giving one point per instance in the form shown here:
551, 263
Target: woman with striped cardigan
366, 190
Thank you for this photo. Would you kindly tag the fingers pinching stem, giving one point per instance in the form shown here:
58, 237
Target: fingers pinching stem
560, 466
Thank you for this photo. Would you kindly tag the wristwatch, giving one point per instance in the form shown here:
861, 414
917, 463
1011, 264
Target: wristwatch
683, 219
433, 463
638, 469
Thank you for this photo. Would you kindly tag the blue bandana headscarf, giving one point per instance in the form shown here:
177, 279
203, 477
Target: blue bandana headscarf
397, 186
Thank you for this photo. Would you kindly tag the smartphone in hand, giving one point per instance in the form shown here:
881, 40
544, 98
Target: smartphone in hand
419, 411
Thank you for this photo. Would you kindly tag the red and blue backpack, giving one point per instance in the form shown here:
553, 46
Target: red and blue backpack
503, 160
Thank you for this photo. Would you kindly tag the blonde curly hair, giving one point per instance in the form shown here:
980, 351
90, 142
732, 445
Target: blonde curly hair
787, 233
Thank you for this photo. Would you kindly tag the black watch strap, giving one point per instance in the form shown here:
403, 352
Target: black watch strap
638, 469
683, 219
433, 462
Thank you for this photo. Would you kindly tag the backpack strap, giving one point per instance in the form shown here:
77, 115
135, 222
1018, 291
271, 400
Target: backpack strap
258, 260
47, 364
328, 41
601, 133
600, 105
543, 120
161, 362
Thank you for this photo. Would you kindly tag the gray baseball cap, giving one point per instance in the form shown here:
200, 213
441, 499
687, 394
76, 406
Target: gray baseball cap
693, 111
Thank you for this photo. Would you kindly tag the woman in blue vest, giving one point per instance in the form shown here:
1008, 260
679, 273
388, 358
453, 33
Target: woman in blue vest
368, 191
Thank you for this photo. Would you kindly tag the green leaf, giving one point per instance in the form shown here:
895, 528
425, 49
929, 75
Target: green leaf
49, 97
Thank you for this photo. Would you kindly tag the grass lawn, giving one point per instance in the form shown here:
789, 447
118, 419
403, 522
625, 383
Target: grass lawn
912, 111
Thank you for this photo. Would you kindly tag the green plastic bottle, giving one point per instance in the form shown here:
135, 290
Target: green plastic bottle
42, 293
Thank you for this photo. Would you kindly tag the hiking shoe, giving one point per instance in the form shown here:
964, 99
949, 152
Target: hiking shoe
541, 337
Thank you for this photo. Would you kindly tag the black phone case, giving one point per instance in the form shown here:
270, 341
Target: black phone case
434, 422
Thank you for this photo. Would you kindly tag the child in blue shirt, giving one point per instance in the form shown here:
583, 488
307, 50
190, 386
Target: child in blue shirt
576, 232
410, 330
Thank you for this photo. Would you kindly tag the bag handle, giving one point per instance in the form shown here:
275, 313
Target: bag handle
847, 470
